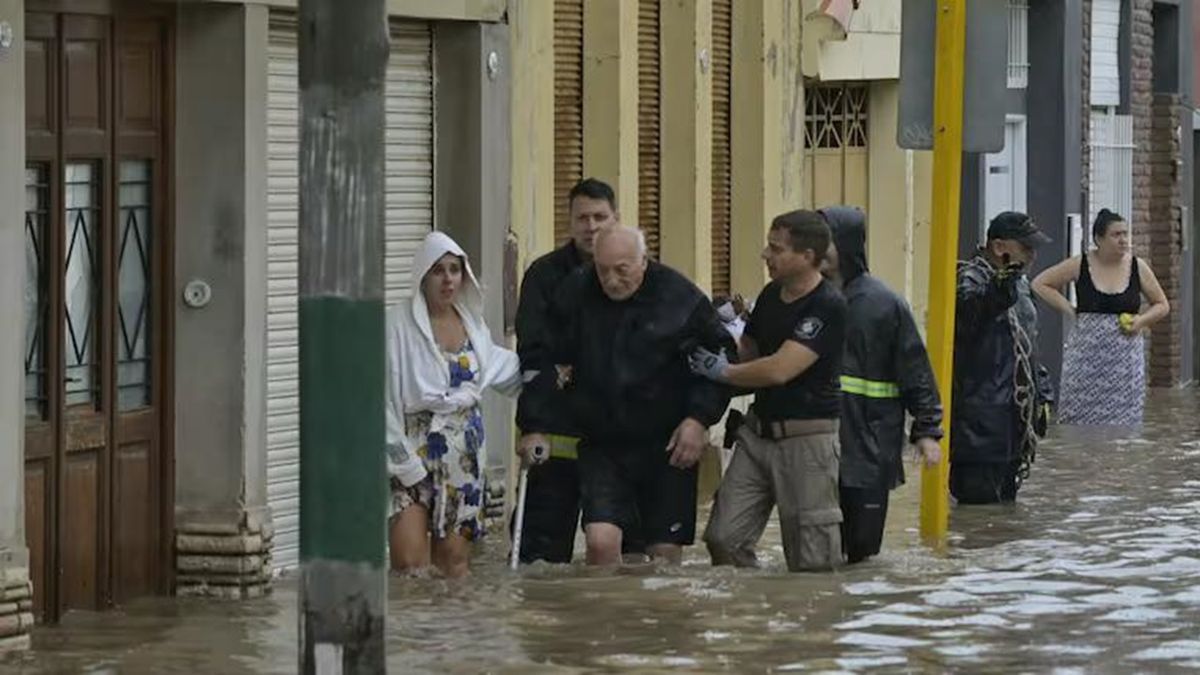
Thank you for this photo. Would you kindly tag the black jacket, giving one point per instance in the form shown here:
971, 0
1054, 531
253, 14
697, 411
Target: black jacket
631, 385
536, 330
886, 370
986, 426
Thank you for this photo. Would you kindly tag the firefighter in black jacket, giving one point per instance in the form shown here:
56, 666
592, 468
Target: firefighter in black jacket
886, 371
629, 324
552, 497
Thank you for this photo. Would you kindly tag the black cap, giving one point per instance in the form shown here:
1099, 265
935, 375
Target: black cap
1015, 226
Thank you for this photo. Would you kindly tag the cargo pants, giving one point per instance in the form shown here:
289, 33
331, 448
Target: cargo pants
799, 475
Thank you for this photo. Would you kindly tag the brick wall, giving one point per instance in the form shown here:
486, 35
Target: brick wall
1166, 235
1141, 88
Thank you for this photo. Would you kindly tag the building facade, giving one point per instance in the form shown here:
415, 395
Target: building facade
1096, 115
149, 435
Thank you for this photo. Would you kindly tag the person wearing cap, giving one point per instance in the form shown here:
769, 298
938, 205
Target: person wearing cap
1001, 393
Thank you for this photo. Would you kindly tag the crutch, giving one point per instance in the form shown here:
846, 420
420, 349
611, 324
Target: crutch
538, 454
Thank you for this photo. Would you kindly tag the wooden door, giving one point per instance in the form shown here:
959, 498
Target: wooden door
96, 177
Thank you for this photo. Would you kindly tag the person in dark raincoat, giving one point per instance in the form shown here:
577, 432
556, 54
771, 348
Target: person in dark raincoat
886, 372
1001, 394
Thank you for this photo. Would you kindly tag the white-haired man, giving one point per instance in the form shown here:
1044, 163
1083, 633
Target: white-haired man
628, 325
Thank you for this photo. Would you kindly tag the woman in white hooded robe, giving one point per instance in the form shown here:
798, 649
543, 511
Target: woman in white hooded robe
441, 358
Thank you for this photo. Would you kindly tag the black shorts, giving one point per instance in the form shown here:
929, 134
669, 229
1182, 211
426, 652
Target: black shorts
636, 489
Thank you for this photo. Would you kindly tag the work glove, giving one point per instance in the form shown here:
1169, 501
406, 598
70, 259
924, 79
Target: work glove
708, 364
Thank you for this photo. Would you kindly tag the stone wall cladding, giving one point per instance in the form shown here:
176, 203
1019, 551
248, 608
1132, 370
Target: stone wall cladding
1166, 235
16, 608
220, 561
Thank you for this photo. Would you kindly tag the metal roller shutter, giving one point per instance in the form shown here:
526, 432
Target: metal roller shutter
568, 109
722, 29
649, 121
409, 216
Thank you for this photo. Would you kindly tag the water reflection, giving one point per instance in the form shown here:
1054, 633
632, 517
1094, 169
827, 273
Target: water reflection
1097, 567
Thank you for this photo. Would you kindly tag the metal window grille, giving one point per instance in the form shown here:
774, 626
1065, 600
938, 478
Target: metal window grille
1018, 44
836, 116
1111, 182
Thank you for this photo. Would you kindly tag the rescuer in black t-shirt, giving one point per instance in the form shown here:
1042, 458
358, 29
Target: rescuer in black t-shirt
787, 455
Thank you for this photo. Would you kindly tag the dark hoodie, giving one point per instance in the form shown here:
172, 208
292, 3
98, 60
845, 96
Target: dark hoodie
886, 370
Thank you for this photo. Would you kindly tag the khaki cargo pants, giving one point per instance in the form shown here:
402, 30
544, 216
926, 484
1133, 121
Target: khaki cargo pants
799, 474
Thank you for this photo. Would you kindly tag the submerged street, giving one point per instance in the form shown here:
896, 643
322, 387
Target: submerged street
1097, 568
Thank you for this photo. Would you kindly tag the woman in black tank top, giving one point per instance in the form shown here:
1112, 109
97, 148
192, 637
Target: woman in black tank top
1104, 369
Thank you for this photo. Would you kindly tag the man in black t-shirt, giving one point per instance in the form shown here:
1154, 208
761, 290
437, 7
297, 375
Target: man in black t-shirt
788, 451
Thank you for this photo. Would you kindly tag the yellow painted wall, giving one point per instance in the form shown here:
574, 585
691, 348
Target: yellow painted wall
889, 227
767, 129
531, 31
686, 166
610, 98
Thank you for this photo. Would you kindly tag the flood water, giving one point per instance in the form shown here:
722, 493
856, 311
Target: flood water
1096, 569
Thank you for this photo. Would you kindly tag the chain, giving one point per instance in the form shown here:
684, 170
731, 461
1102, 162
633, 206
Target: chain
1024, 394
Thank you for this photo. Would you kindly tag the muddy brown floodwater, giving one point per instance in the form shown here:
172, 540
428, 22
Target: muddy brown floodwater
1096, 569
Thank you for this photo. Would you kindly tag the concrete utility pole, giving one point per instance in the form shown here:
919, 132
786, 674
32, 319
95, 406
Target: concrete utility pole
343, 485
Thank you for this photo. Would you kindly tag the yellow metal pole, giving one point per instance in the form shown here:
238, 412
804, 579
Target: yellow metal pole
949, 72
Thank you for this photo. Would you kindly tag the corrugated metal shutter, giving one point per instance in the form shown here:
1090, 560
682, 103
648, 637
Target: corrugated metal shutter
722, 43
409, 216
649, 121
1106, 64
409, 171
568, 109
283, 347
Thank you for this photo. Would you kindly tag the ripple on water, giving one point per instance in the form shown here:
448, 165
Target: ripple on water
1139, 615
881, 641
1169, 651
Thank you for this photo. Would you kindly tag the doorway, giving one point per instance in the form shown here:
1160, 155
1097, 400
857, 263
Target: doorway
1004, 175
96, 378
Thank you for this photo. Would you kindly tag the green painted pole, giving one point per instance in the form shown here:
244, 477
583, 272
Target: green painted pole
343, 487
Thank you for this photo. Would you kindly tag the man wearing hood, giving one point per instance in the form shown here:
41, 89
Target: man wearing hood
629, 323
1001, 393
552, 494
885, 372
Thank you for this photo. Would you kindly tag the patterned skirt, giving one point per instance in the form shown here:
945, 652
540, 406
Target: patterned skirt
1104, 374
452, 493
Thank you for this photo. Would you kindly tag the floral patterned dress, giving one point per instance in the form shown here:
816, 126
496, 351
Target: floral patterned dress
452, 493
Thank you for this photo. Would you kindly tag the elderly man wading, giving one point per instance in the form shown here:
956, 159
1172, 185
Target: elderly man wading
628, 324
